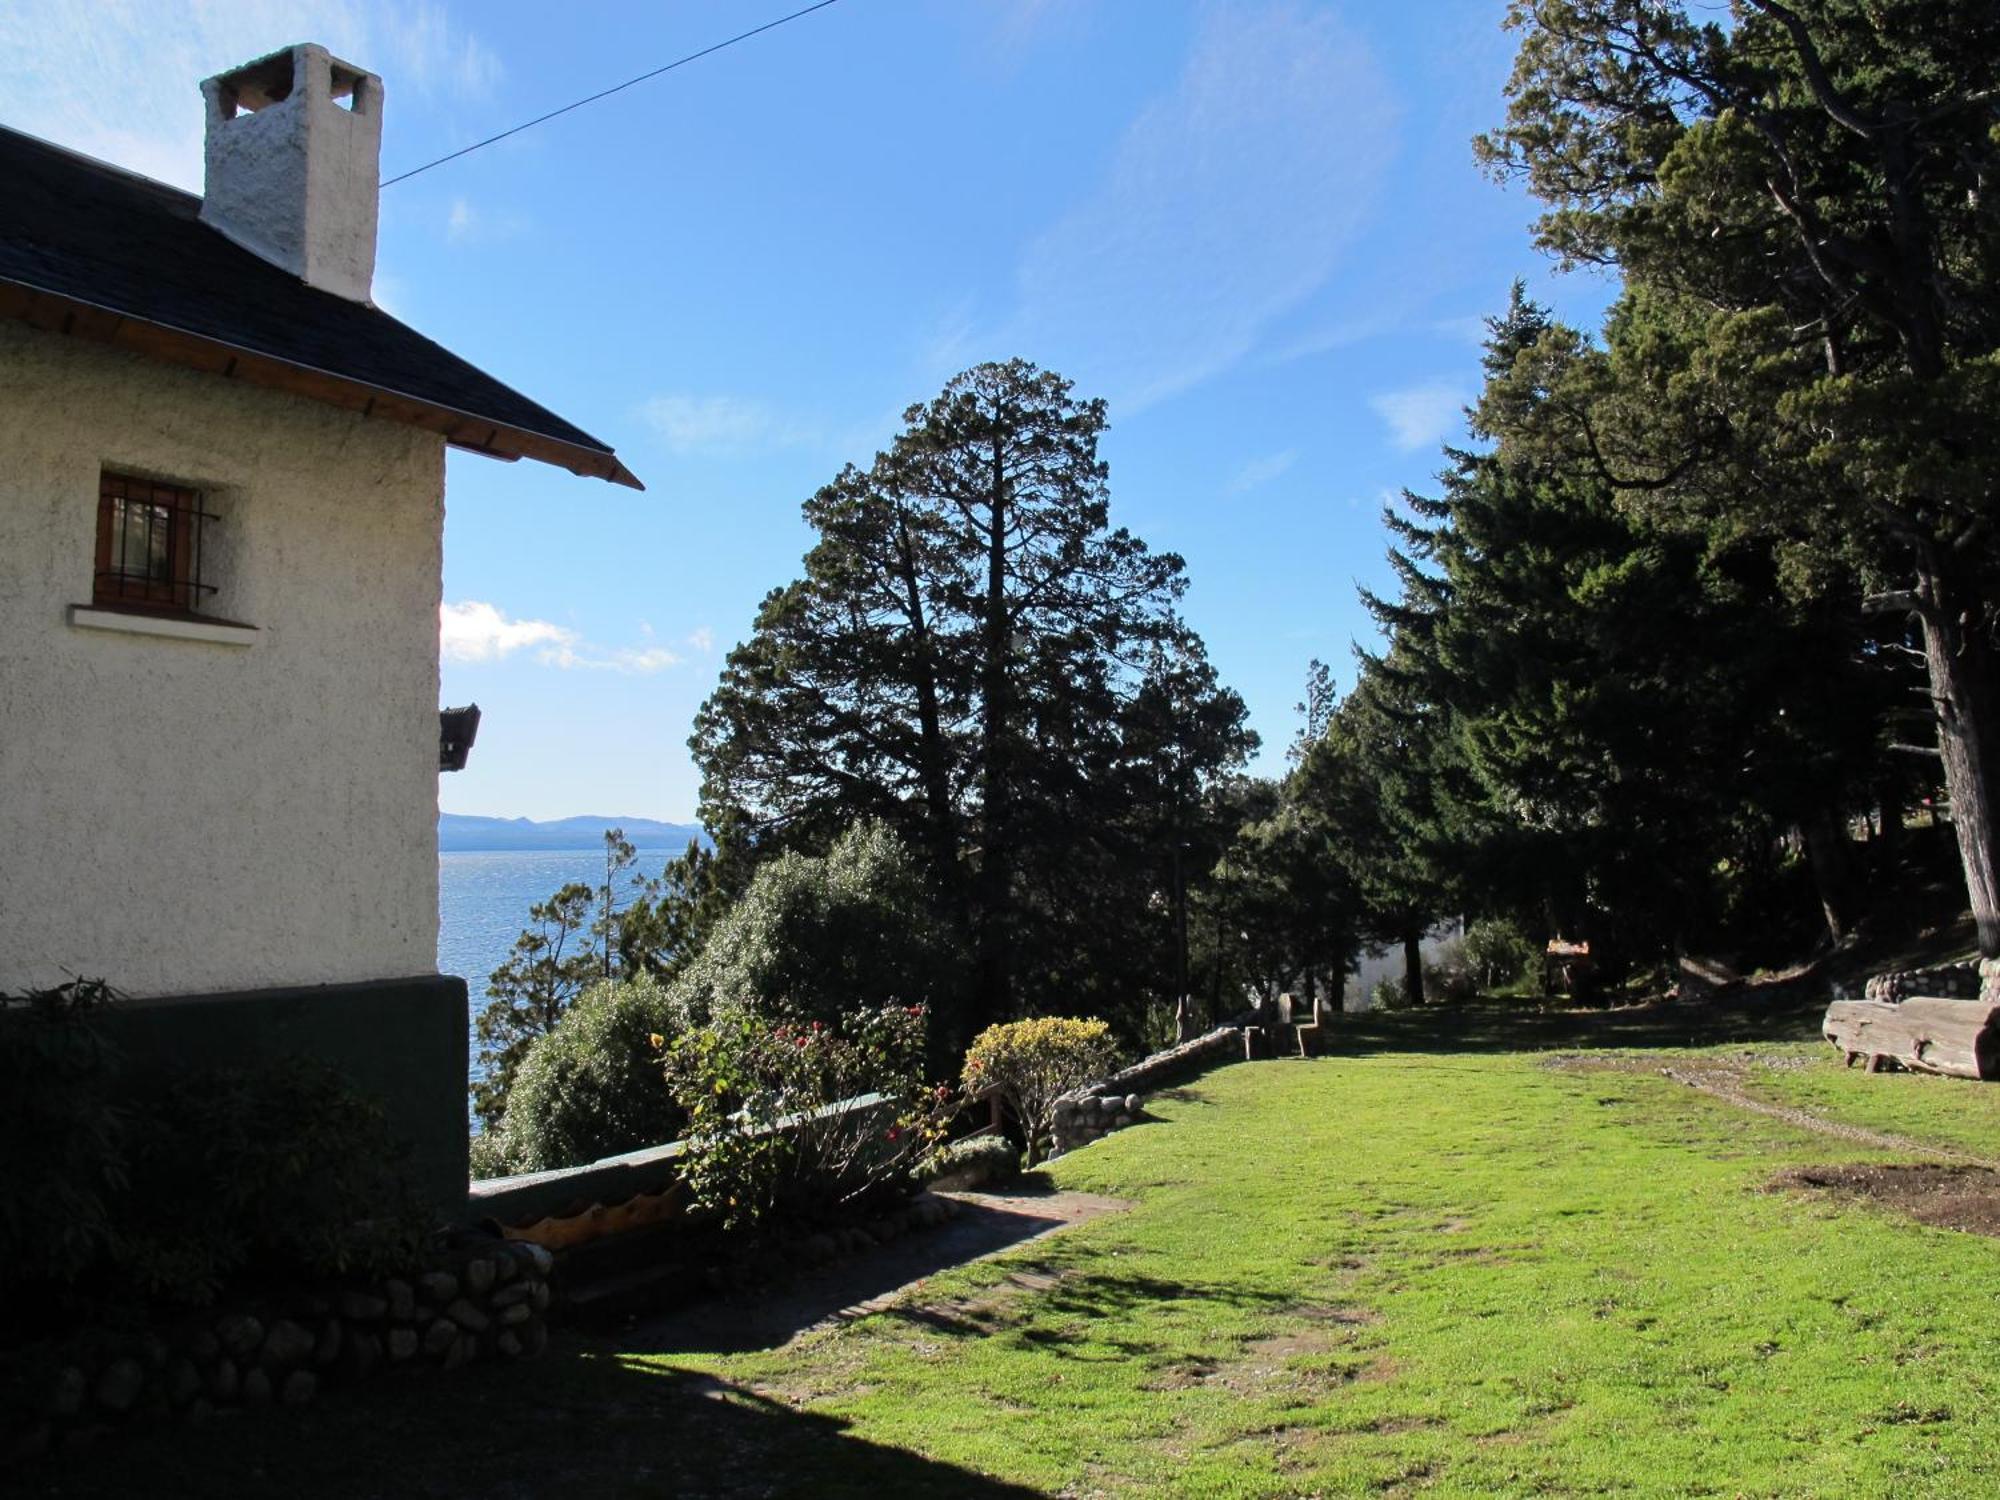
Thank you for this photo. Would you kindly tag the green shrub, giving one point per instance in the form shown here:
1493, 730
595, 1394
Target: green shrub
765, 1135
267, 1174
1497, 952
1387, 995
980, 1158
590, 1087
817, 938
1034, 1063
62, 1139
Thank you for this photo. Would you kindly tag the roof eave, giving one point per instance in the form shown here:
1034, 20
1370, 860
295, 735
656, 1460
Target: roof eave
58, 312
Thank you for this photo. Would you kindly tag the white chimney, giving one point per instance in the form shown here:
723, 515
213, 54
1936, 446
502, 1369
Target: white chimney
294, 155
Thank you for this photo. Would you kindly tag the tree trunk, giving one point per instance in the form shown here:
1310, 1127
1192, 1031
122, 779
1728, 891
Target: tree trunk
1827, 855
993, 998
1961, 673
1413, 966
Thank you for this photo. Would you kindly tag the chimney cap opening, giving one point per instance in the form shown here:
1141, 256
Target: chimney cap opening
273, 79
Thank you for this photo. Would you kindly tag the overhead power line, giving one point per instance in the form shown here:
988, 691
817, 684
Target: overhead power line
607, 93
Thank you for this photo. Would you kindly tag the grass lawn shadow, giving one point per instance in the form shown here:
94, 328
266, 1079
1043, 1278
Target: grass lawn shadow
578, 1421
986, 1222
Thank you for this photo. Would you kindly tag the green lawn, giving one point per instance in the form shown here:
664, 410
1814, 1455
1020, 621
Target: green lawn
1457, 1272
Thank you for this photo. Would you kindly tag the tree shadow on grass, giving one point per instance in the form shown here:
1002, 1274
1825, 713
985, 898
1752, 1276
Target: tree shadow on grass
860, 1285
580, 1421
1072, 1313
1790, 1014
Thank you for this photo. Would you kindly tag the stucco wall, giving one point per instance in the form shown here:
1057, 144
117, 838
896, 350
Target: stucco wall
180, 816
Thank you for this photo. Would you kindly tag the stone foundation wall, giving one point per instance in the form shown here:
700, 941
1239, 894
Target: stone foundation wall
1095, 1110
482, 1298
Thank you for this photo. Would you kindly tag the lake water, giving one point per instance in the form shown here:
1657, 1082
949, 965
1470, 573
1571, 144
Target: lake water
483, 901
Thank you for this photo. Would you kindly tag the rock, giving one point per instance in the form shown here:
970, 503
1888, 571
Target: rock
363, 1307
536, 1256
120, 1385
534, 1338
363, 1353
256, 1388
1119, 1122
439, 1287
240, 1334
67, 1391
198, 1411
479, 1276
541, 1297
402, 1344
299, 1388
507, 1296
1132, 1104
402, 1298
520, 1312
509, 1344
154, 1351
327, 1350
183, 1382
204, 1346
466, 1316
224, 1383
440, 1336
287, 1344
459, 1352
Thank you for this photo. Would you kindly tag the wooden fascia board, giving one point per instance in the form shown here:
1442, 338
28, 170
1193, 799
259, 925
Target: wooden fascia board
57, 313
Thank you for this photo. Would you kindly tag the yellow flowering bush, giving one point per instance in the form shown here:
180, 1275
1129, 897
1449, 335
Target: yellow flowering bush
1031, 1064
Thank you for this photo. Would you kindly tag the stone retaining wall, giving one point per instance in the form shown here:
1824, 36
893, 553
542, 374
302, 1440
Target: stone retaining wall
481, 1299
1095, 1110
1975, 980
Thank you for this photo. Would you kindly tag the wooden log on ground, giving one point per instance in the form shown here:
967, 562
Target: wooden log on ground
1926, 1035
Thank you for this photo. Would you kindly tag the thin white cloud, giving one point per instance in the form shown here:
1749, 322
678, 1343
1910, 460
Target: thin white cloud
1228, 202
702, 640
718, 424
467, 223
461, 221
1261, 471
120, 79
637, 660
474, 631
1420, 415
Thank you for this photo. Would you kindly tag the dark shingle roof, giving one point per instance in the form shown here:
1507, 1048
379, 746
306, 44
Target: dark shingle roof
88, 233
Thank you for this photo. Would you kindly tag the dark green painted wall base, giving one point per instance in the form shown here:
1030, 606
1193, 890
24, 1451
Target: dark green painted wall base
400, 1040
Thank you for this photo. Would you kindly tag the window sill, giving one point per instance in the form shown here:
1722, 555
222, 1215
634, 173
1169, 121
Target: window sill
171, 627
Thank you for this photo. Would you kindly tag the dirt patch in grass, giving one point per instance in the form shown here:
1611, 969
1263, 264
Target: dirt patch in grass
1950, 1197
1725, 1078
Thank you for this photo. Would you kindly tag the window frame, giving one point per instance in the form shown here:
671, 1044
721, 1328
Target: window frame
116, 587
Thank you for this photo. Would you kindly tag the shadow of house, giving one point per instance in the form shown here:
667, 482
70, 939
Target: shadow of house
582, 1422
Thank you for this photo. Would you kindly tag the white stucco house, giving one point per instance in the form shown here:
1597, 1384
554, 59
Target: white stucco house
221, 527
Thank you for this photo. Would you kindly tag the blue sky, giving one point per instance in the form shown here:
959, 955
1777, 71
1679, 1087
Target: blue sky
1255, 228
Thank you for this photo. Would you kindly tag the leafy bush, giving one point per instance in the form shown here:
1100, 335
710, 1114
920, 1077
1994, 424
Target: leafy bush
1034, 1063
1497, 952
62, 1139
268, 1173
1388, 995
979, 1158
590, 1087
771, 1125
221, 1176
812, 939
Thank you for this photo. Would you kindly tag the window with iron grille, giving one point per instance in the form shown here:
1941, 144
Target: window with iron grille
149, 539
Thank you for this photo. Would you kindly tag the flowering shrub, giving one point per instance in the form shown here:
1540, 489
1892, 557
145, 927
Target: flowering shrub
1034, 1063
773, 1126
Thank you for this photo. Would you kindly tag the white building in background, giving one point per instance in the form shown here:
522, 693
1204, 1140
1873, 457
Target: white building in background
221, 530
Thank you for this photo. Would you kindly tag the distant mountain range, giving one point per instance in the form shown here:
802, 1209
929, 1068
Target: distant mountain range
459, 833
